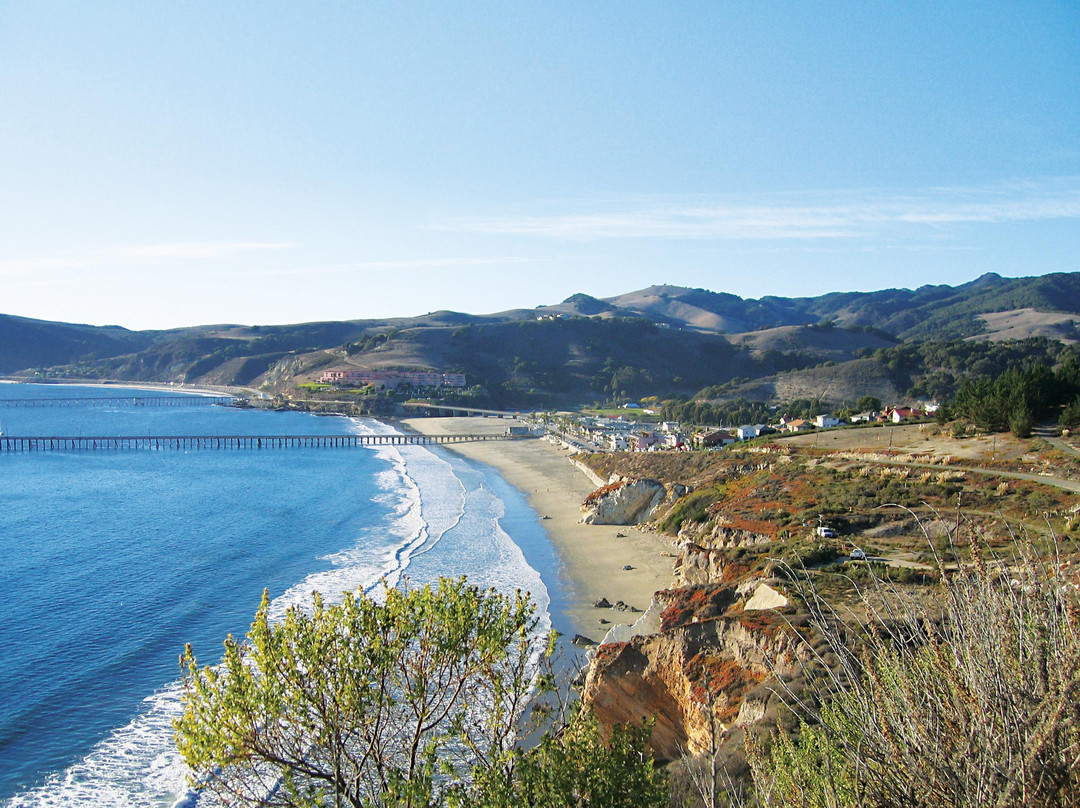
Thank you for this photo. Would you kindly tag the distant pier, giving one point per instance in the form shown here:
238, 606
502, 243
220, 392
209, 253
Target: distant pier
118, 401
452, 410
13, 443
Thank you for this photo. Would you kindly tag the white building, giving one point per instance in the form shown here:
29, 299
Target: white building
749, 431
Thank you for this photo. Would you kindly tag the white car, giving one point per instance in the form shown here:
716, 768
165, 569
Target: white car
857, 555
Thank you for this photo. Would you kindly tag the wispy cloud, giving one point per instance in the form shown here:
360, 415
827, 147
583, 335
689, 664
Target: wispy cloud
194, 250
429, 263
122, 258
834, 214
130, 255
354, 267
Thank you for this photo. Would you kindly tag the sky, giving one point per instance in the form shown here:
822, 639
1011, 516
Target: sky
174, 164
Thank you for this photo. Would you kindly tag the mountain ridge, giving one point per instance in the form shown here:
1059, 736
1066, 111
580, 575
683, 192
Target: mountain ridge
662, 338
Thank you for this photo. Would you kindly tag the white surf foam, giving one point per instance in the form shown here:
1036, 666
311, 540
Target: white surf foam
137, 765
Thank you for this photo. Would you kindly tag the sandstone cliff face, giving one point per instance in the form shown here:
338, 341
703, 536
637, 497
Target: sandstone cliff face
710, 653
706, 565
714, 645
700, 565
718, 532
623, 502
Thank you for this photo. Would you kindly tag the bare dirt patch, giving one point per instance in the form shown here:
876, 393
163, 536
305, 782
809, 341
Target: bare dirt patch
1024, 323
916, 440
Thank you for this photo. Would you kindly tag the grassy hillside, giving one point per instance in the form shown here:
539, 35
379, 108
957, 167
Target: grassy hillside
37, 343
564, 360
658, 341
929, 312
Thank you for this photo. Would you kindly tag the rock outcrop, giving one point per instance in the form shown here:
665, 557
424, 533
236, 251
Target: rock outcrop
764, 597
719, 531
710, 653
623, 502
717, 644
696, 565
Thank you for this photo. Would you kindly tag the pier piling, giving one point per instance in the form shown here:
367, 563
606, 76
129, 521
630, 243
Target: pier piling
15, 443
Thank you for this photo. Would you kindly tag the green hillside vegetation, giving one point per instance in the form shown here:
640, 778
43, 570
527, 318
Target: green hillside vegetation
945, 312
26, 343
936, 369
1017, 399
990, 382
942, 312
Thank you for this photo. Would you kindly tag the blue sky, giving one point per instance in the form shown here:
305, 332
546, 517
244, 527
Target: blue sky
189, 163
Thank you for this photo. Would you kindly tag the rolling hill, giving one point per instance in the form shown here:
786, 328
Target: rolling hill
660, 340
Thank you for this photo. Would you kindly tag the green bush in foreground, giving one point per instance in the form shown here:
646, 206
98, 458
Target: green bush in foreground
417, 700
975, 706
576, 766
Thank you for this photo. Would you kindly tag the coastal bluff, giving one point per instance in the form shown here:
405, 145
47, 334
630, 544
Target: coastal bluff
718, 650
706, 655
625, 501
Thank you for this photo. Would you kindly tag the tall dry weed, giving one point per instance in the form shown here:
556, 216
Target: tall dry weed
974, 703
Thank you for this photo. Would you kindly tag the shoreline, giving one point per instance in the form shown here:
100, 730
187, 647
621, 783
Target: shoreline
591, 558
147, 386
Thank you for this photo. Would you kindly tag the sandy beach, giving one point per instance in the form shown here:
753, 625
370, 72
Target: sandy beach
593, 557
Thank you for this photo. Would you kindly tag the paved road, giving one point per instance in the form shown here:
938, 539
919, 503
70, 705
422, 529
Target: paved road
1064, 446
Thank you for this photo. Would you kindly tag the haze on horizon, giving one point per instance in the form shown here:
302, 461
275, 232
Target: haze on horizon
182, 164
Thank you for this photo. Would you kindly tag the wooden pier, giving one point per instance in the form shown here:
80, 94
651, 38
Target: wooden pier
118, 401
13, 443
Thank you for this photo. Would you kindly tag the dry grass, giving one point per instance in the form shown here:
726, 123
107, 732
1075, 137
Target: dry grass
975, 703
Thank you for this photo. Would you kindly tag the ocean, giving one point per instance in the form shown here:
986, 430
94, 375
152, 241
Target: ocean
113, 560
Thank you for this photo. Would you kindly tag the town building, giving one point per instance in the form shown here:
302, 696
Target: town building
391, 378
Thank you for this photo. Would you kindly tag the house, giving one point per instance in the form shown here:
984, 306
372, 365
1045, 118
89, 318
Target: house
798, 425
642, 440
826, 421
905, 413
389, 378
749, 431
671, 441
713, 438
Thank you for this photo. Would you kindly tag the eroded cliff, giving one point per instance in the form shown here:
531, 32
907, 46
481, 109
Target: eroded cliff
625, 501
711, 654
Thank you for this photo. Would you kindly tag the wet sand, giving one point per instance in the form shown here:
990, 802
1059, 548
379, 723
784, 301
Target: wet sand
592, 556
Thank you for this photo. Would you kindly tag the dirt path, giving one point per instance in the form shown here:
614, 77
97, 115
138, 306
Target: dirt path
1062, 445
1056, 482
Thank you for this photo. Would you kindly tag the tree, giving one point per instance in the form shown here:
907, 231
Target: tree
867, 403
577, 767
1021, 422
364, 703
1070, 415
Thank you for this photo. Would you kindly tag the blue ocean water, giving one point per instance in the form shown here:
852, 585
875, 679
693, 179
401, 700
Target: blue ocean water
113, 560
